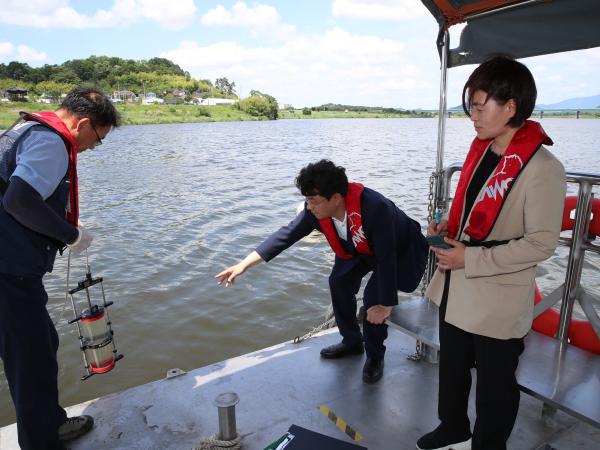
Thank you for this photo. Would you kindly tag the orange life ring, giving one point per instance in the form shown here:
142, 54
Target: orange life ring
547, 322
571, 205
581, 333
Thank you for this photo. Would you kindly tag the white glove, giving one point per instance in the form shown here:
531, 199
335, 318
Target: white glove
83, 241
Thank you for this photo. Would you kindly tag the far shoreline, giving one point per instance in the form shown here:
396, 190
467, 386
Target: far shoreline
137, 114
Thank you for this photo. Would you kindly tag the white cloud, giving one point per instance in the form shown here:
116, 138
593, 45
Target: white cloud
258, 19
336, 66
394, 10
25, 53
565, 75
558, 76
342, 67
6, 49
242, 15
21, 53
59, 14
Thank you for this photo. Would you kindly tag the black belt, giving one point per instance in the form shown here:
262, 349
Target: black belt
488, 244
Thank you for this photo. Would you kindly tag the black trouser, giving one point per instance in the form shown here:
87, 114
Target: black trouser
28, 346
497, 392
344, 285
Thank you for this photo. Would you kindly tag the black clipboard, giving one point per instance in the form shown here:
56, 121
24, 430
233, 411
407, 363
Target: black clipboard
309, 440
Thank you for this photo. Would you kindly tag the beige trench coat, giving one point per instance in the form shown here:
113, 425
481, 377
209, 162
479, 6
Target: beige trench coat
493, 295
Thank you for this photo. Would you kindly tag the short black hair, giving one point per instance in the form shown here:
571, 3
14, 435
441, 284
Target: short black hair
93, 104
502, 78
322, 178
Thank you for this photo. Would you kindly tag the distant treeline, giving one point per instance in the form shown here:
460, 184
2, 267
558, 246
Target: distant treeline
371, 109
116, 76
158, 75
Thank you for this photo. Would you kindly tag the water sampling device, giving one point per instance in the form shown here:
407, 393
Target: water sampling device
96, 337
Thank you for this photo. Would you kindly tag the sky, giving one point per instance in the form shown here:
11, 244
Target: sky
304, 53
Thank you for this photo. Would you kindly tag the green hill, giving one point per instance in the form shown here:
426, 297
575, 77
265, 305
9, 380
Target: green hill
158, 75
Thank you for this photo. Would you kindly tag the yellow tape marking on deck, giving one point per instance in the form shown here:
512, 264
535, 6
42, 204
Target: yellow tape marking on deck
340, 423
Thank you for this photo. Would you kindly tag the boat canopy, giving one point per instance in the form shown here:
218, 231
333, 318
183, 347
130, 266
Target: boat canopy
520, 28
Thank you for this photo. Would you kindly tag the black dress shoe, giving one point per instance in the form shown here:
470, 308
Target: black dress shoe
372, 370
340, 350
442, 439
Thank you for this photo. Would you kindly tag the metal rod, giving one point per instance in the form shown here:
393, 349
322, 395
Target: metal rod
587, 302
226, 405
438, 202
89, 273
109, 323
501, 9
439, 166
577, 177
591, 247
447, 177
89, 299
105, 306
576, 256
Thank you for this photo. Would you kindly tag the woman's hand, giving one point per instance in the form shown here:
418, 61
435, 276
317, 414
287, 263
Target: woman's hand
451, 258
439, 228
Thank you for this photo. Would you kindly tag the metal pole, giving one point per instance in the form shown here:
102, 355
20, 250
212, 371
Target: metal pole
438, 203
576, 256
500, 9
443, 106
226, 404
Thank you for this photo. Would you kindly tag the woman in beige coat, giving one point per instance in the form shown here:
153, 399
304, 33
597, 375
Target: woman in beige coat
504, 220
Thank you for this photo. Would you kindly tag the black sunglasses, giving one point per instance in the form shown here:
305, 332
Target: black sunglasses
99, 141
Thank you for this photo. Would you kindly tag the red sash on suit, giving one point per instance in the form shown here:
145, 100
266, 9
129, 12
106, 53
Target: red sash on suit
357, 234
525, 143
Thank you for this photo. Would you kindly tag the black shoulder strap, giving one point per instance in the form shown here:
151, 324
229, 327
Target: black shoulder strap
13, 125
4, 184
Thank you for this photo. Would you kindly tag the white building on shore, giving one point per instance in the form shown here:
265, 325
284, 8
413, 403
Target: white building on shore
217, 101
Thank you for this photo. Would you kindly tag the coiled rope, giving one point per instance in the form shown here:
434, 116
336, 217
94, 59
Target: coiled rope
213, 443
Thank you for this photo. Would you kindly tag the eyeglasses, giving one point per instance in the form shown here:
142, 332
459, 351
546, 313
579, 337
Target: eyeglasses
313, 200
98, 141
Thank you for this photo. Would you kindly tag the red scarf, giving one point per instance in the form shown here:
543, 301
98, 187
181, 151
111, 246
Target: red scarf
51, 120
526, 141
353, 213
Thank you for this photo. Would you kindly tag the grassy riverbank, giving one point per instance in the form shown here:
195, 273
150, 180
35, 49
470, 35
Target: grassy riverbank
136, 114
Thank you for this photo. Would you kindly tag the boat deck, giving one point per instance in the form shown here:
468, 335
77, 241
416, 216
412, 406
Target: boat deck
561, 375
284, 385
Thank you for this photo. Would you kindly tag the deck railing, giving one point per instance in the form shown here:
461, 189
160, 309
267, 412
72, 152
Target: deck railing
580, 242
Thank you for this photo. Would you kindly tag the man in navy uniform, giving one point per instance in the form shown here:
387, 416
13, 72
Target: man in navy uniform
39, 215
368, 233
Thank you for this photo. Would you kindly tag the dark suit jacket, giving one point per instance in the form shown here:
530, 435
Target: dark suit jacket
398, 246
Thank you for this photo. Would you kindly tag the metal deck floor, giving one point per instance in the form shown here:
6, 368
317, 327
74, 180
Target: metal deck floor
284, 385
561, 375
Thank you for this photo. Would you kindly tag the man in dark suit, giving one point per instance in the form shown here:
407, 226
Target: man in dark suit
368, 233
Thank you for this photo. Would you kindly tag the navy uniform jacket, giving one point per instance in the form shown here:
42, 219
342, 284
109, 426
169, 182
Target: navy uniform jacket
399, 248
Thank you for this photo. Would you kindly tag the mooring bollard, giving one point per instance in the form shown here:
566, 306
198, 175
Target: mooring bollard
226, 404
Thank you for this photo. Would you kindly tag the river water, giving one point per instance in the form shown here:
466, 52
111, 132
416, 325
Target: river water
172, 205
